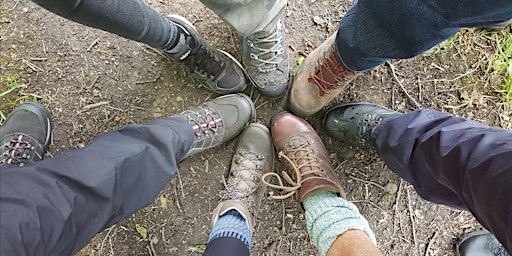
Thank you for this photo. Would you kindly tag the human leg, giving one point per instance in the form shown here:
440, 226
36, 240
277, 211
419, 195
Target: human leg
374, 31
449, 160
55, 206
133, 19
234, 217
335, 224
264, 49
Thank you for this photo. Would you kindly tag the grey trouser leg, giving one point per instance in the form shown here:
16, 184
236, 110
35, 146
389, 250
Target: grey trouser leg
248, 16
57, 205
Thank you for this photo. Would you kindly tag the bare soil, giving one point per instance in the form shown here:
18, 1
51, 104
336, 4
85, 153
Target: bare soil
94, 81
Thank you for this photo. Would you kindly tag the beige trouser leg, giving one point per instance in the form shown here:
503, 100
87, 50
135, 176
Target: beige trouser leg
248, 16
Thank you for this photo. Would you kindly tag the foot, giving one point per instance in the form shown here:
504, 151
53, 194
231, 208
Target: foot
309, 168
244, 190
219, 120
217, 70
321, 77
481, 243
265, 57
26, 134
354, 122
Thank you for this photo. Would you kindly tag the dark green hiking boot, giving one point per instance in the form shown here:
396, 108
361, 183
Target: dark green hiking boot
353, 122
26, 134
217, 70
480, 243
219, 120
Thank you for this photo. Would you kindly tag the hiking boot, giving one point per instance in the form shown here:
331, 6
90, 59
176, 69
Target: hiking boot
320, 78
354, 122
26, 134
219, 120
244, 190
217, 70
265, 57
309, 168
480, 243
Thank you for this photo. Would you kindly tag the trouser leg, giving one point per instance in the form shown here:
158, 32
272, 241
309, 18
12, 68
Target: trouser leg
226, 246
132, 19
248, 16
453, 161
55, 206
374, 31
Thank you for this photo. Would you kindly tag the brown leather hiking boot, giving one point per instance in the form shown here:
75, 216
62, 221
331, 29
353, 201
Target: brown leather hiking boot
304, 154
254, 156
321, 77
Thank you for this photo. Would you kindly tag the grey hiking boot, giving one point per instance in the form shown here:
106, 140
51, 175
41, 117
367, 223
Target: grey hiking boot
480, 243
265, 57
243, 192
219, 120
353, 122
26, 134
320, 79
215, 69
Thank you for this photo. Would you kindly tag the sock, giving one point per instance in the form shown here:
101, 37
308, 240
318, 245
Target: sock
328, 216
231, 224
177, 41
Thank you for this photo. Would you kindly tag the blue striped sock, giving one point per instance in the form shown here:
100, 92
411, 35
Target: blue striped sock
231, 224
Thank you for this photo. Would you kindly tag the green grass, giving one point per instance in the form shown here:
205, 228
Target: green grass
10, 95
502, 64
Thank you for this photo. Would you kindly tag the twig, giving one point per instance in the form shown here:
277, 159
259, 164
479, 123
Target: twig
181, 184
430, 243
105, 238
177, 199
412, 221
95, 105
402, 86
368, 182
450, 80
93, 44
398, 193
32, 66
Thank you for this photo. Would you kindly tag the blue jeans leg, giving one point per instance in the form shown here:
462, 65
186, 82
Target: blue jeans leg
455, 162
374, 31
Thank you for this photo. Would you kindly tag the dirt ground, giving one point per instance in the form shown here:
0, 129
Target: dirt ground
93, 81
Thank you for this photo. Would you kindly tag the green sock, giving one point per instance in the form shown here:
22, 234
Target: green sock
328, 216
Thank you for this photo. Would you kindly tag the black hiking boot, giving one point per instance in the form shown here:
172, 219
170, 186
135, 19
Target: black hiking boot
215, 69
219, 120
353, 122
26, 134
480, 243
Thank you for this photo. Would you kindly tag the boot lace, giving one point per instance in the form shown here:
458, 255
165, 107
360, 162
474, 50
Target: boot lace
206, 123
330, 73
304, 155
202, 60
244, 179
266, 52
17, 149
367, 124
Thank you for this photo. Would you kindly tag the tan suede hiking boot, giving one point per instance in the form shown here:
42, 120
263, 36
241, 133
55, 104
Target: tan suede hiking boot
244, 190
304, 154
320, 78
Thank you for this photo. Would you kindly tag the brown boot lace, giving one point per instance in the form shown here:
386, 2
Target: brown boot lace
330, 73
244, 179
308, 160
